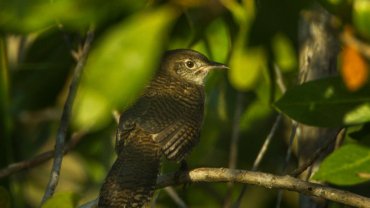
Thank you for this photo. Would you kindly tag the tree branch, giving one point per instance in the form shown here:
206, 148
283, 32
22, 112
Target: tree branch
329, 142
266, 180
348, 38
64, 123
38, 159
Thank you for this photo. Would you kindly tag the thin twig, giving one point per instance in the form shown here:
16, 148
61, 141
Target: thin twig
64, 123
39, 159
234, 143
314, 157
90, 204
175, 197
233, 157
260, 155
349, 38
291, 141
279, 78
287, 158
215, 175
266, 144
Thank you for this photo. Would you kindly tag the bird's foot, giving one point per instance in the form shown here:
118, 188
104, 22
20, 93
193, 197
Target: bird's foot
183, 168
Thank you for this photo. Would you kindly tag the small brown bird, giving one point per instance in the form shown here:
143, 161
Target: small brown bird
165, 121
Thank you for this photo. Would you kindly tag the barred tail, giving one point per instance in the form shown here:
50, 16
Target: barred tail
132, 178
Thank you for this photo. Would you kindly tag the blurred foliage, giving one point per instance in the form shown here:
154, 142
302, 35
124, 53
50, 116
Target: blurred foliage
361, 20
24, 16
354, 68
62, 200
254, 37
5, 199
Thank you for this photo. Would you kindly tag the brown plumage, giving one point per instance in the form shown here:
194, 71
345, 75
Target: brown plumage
165, 121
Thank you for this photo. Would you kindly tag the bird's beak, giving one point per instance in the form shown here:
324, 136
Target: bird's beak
211, 66
215, 65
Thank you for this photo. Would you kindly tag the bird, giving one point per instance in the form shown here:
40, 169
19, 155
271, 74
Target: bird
164, 122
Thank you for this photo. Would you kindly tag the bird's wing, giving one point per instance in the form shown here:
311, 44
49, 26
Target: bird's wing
129, 121
175, 133
148, 115
177, 140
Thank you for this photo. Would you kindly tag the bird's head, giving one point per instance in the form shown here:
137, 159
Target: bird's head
188, 65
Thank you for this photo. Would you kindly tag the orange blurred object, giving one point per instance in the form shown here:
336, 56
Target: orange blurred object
354, 68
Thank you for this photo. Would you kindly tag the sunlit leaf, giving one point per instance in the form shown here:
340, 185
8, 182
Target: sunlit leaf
326, 103
246, 63
62, 200
217, 37
284, 53
345, 166
121, 65
354, 68
246, 66
361, 17
243, 13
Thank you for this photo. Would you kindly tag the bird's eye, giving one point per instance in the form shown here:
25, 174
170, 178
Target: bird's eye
189, 64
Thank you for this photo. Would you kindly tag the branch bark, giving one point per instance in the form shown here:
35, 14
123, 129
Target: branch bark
64, 123
39, 159
266, 180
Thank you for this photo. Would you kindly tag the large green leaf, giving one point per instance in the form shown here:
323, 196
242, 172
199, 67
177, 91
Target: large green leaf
326, 103
121, 65
345, 166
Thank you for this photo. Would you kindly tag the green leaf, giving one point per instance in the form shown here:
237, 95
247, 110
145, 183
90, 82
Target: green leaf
361, 16
246, 63
284, 52
217, 37
120, 66
62, 200
24, 16
246, 66
326, 103
345, 166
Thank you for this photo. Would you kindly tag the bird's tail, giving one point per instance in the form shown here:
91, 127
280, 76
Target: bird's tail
132, 178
